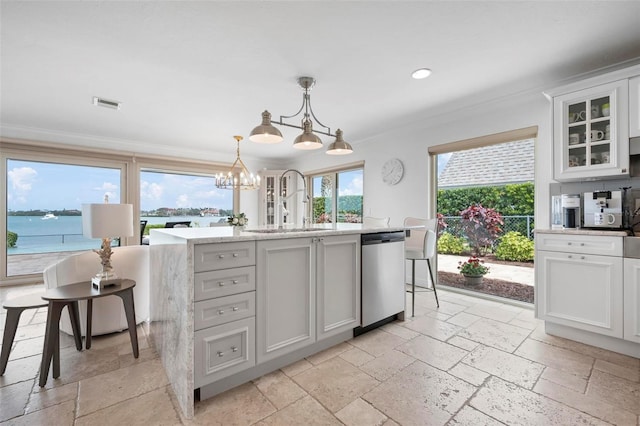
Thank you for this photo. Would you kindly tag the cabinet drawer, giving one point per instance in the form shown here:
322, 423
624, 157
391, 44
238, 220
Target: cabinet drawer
584, 244
208, 285
224, 350
222, 310
211, 257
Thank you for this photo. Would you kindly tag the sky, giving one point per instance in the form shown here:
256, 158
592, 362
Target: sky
49, 186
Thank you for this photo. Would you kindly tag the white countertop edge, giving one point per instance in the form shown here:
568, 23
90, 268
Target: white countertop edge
580, 231
220, 234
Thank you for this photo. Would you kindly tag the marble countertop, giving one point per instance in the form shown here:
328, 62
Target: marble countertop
580, 231
216, 234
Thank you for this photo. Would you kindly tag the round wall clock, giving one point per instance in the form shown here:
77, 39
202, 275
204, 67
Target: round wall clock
392, 171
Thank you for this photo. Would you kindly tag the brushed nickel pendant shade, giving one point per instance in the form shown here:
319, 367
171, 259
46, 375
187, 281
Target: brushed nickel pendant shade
266, 132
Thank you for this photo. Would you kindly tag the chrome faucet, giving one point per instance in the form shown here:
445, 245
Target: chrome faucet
282, 197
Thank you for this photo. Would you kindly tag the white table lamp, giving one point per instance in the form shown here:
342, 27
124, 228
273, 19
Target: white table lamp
106, 221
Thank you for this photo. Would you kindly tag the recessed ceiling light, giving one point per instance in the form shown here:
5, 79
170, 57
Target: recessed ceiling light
421, 73
106, 103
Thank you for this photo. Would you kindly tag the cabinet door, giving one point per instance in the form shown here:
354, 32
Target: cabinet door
338, 284
580, 290
285, 296
632, 300
591, 132
270, 191
634, 107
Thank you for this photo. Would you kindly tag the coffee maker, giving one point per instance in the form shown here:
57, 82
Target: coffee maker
565, 211
603, 209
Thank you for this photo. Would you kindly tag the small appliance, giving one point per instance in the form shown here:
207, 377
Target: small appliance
565, 211
603, 209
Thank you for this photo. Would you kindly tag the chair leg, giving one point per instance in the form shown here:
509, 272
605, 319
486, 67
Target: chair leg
10, 328
433, 282
413, 287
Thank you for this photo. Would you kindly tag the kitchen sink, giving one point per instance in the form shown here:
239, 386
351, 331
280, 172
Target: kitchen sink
632, 247
285, 230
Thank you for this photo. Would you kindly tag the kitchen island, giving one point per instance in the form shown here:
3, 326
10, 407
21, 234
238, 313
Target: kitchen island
230, 305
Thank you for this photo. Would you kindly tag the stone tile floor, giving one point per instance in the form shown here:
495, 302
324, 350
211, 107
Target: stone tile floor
471, 362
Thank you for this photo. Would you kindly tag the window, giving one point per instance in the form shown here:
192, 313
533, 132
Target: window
44, 206
166, 196
43, 188
337, 196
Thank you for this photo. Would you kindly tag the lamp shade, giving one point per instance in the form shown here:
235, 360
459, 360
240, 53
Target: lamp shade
307, 140
107, 220
339, 146
265, 132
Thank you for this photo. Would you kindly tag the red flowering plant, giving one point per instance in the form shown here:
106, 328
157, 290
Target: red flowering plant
473, 267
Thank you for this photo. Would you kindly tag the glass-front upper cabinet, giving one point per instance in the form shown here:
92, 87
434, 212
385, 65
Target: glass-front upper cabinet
270, 191
591, 133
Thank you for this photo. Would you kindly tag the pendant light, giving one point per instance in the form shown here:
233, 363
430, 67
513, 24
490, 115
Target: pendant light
238, 175
266, 132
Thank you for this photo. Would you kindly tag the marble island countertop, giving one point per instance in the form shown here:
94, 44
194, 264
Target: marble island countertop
216, 234
582, 231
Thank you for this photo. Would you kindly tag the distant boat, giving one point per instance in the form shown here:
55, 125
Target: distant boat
49, 216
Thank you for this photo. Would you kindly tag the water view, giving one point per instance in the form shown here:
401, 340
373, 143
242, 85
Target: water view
41, 234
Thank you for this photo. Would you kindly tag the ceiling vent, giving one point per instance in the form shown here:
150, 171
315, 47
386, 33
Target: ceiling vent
106, 103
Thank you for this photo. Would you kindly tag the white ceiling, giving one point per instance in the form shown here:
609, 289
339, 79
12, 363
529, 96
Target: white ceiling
191, 74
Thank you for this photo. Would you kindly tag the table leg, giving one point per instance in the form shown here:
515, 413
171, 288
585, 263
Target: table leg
89, 318
130, 311
10, 328
51, 336
74, 316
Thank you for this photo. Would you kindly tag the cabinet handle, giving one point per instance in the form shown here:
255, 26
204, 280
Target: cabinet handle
235, 308
221, 283
570, 257
582, 257
220, 354
235, 281
569, 243
220, 312
581, 244
221, 256
234, 349
235, 254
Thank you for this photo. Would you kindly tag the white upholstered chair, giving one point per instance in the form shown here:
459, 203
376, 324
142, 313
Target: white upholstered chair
375, 222
420, 245
108, 314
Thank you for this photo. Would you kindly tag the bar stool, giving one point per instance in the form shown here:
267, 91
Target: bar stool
14, 308
420, 244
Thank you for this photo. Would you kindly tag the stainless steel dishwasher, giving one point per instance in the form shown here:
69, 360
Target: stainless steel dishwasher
383, 292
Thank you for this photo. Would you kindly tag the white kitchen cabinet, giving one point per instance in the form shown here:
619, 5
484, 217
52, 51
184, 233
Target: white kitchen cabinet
577, 288
286, 297
634, 107
338, 284
308, 289
632, 300
591, 132
270, 190
224, 310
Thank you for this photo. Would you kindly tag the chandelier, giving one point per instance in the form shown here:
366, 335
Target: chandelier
238, 176
267, 133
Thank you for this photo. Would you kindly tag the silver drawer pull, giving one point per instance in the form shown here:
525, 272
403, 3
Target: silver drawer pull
235, 254
221, 283
235, 281
220, 354
570, 257
221, 256
234, 349
235, 308
581, 244
220, 312
569, 243
582, 257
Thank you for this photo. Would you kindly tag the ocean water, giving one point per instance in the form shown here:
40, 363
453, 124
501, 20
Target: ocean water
37, 235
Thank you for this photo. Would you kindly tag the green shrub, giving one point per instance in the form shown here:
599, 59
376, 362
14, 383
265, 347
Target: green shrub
514, 246
148, 227
449, 244
12, 239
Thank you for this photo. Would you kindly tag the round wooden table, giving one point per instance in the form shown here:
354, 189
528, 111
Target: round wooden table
69, 295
